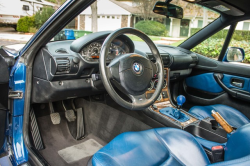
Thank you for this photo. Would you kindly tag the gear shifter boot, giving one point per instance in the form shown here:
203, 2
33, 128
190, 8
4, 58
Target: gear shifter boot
174, 114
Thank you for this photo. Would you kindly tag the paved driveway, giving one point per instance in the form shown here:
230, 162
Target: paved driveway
9, 36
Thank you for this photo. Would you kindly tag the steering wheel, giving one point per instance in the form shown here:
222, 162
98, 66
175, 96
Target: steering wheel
131, 73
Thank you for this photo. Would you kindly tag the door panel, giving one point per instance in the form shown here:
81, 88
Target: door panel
207, 83
204, 82
202, 87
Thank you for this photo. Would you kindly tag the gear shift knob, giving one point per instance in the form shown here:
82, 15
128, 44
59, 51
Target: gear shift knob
180, 101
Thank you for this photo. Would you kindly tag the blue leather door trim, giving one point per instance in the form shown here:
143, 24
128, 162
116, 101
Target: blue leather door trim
207, 83
204, 82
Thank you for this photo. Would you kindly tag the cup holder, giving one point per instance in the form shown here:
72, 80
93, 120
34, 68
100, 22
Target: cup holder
214, 124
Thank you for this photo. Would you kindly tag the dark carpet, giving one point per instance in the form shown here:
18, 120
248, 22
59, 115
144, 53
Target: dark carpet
102, 123
58, 137
106, 122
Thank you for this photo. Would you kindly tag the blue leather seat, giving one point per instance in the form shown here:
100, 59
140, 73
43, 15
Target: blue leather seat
169, 146
234, 117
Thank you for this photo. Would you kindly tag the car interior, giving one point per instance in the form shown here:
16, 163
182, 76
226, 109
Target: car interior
104, 99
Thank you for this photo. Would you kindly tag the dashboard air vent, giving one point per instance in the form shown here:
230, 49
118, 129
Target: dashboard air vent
63, 65
61, 51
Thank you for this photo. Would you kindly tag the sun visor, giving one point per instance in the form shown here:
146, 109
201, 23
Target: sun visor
219, 6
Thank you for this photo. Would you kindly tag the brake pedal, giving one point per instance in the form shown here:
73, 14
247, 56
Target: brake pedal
54, 116
69, 114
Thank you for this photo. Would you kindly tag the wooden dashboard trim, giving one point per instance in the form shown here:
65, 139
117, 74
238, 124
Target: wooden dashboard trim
165, 102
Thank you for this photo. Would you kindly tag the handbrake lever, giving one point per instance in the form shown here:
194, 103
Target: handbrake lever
222, 121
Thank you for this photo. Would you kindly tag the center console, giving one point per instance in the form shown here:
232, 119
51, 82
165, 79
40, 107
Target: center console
206, 128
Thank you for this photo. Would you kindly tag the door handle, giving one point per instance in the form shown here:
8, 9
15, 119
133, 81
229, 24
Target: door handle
237, 82
236, 94
218, 77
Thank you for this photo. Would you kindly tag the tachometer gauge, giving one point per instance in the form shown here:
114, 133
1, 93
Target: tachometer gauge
115, 51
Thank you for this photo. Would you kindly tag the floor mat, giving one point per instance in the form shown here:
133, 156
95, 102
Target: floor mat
58, 137
80, 151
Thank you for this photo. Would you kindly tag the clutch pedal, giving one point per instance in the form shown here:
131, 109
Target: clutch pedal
54, 116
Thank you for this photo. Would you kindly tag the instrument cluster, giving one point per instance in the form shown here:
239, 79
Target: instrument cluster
92, 50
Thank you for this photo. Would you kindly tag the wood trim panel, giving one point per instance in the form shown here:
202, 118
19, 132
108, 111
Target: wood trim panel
164, 102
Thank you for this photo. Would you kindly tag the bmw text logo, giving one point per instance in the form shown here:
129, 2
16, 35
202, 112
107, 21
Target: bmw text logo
137, 68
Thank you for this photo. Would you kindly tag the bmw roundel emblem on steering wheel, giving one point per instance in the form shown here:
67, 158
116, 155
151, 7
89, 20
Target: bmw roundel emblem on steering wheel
136, 67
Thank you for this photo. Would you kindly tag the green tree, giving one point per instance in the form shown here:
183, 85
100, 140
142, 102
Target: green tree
42, 16
25, 23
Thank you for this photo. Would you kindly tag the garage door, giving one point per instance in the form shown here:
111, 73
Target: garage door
105, 23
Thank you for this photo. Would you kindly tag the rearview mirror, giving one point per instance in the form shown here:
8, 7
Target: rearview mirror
234, 54
168, 10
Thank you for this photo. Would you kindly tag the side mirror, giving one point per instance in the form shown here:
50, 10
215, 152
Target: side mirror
234, 54
168, 10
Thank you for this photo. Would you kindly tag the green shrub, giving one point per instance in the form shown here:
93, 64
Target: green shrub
209, 48
238, 35
153, 28
25, 23
212, 47
32, 30
42, 16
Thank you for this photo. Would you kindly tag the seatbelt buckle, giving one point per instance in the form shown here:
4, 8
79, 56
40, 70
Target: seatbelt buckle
217, 153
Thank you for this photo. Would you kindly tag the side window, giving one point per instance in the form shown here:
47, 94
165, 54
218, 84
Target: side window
212, 46
240, 41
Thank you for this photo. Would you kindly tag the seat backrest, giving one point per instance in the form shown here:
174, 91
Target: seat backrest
238, 144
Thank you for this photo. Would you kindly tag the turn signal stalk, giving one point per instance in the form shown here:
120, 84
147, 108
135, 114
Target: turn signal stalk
222, 121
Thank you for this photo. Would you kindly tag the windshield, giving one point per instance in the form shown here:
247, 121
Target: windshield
138, 14
99, 17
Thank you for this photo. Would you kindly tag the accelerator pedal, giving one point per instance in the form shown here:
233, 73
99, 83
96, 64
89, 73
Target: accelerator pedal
69, 114
54, 116
79, 122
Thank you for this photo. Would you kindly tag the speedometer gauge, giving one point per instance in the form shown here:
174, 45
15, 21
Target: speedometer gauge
94, 50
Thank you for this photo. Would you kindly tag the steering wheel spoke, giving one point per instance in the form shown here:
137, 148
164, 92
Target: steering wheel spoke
139, 99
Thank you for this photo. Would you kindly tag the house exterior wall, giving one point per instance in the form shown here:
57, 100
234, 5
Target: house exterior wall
176, 23
15, 7
12, 10
240, 25
124, 21
110, 16
82, 22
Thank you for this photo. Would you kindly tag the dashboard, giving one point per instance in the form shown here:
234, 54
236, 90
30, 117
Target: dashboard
70, 68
